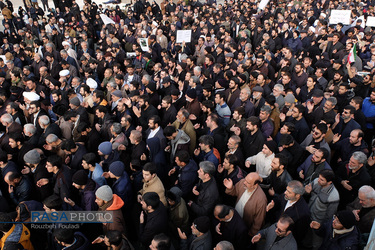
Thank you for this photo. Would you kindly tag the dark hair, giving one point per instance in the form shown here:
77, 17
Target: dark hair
99, 94
283, 160
225, 210
145, 98
150, 167
68, 145
18, 137
53, 202
5, 227
291, 127
156, 119
350, 108
301, 108
151, 199
214, 117
65, 235
207, 140
221, 94
114, 237
89, 158
14, 175
102, 109
322, 127
169, 131
327, 174
164, 242
55, 160
325, 153
3, 156
286, 219
254, 121
183, 156
232, 159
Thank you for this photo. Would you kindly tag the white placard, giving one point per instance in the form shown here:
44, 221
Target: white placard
144, 44
183, 35
370, 21
263, 4
106, 20
131, 54
340, 16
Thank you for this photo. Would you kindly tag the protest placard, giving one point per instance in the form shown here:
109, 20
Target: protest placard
183, 36
340, 16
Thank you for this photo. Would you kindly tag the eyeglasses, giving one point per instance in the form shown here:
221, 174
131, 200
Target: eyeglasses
279, 230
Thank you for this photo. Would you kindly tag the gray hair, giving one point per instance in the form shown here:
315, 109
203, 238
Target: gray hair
197, 68
225, 245
297, 187
248, 91
368, 191
360, 157
137, 135
236, 138
266, 109
63, 51
116, 127
185, 113
147, 78
207, 167
332, 100
112, 84
30, 128
51, 138
7, 118
44, 120
279, 86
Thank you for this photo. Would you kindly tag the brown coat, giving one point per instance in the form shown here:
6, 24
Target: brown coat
155, 185
255, 208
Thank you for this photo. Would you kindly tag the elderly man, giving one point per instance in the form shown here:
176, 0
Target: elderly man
364, 208
251, 201
351, 177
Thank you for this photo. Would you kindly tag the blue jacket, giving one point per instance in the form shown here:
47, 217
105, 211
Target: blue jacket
368, 109
123, 188
187, 178
345, 241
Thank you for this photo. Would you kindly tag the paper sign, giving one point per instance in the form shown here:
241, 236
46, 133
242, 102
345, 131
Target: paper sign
263, 4
144, 44
106, 20
340, 16
183, 35
131, 54
370, 21
359, 18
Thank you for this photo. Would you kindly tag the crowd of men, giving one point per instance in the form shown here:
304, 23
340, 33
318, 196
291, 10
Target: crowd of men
258, 133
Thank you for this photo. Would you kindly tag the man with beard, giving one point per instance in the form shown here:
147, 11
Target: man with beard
345, 124
313, 165
244, 101
168, 111
233, 92
294, 205
316, 140
145, 111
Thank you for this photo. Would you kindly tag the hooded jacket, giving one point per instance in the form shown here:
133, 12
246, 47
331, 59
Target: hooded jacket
181, 142
115, 206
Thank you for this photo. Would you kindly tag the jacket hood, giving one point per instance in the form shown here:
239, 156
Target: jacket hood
117, 203
181, 135
154, 146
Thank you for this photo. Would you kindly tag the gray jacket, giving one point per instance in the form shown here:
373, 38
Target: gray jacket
269, 234
323, 202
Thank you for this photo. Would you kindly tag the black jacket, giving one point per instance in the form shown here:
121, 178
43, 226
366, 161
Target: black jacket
207, 198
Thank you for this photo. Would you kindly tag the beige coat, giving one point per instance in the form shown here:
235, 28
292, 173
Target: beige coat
155, 185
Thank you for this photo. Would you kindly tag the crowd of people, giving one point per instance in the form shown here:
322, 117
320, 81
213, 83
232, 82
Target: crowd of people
257, 133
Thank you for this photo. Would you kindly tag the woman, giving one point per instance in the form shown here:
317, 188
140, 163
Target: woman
305, 92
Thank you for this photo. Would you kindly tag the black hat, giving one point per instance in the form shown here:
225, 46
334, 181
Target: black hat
346, 218
272, 146
318, 93
192, 93
202, 224
80, 177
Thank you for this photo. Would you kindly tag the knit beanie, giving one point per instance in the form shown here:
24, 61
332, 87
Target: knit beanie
105, 147
117, 168
104, 192
80, 177
272, 146
32, 157
346, 218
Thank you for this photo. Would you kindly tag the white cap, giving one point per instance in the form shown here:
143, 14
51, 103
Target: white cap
65, 43
64, 72
91, 83
61, 20
155, 23
312, 29
31, 96
323, 15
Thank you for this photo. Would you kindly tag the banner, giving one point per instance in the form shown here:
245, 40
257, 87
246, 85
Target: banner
106, 20
340, 16
183, 35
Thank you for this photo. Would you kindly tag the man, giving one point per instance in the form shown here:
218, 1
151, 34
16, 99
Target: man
145, 111
316, 140
244, 101
301, 130
267, 124
263, 159
95, 170
48, 128
229, 226
155, 130
368, 108
179, 140
279, 235
169, 111
67, 238
364, 208
251, 136
294, 205
346, 147
156, 221
151, 183
160, 241
323, 112
200, 237
251, 201
279, 178
108, 201
19, 187
323, 202
206, 190
19, 148
233, 92
351, 177
345, 124
184, 123
233, 146
340, 233
222, 108
186, 171
206, 150
313, 165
